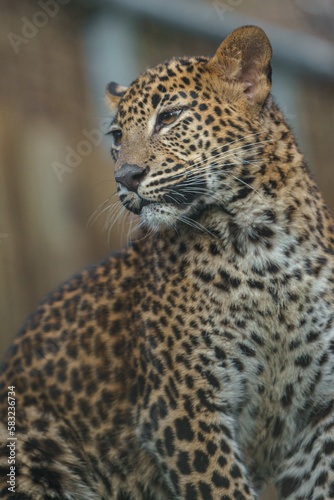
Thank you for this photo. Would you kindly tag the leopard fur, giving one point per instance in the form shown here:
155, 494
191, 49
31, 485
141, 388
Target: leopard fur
196, 364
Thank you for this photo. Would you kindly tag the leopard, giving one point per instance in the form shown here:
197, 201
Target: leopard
197, 362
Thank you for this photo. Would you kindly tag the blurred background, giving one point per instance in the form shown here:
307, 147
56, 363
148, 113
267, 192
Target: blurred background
55, 168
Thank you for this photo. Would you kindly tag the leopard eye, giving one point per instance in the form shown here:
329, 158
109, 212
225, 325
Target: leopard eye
117, 135
166, 118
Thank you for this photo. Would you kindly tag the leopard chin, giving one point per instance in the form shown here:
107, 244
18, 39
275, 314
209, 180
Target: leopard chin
159, 215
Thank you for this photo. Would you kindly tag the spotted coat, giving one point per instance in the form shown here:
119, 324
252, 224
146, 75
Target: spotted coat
196, 364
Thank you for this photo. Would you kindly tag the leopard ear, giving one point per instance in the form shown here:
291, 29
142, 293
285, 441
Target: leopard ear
114, 94
244, 58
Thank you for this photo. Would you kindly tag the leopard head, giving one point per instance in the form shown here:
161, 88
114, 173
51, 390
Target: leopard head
183, 126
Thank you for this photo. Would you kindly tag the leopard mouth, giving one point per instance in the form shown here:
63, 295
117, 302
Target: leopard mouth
183, 198
181, 195
164, 212
177, 200
136, 206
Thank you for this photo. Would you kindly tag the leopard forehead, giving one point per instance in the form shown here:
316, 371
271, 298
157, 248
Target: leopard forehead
163, 85
209, 119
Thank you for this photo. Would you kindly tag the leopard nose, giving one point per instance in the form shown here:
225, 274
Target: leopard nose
130, 176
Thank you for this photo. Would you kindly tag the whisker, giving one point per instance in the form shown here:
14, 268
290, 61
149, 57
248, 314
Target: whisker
129, 230
202, 191
173, 191
111, 206
95, 215
237, 140
212, 165
229, 152
195, 224
121, 222
148, 233
117, 219
255, 190
221, 156
117, 205
109, 222
172, 198
137, 226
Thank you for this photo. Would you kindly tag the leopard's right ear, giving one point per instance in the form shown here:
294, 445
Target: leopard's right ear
114, 94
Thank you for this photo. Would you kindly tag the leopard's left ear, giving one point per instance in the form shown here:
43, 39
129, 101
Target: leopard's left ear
244, 58
114, 94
